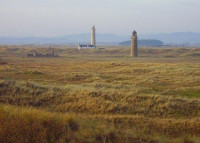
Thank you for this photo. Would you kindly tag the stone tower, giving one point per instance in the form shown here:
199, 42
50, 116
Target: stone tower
134, 44
93, 37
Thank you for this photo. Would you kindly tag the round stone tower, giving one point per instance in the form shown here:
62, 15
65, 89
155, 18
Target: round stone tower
134, 44
93, 37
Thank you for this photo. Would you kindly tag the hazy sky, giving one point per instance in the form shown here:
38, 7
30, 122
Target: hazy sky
63, 17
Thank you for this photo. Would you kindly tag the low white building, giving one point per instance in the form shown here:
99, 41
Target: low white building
82, 46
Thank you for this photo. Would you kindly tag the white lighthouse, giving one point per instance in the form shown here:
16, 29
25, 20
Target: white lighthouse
92, 43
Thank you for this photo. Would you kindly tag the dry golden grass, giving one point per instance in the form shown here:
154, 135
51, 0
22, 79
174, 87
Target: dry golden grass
152, 98
33, 126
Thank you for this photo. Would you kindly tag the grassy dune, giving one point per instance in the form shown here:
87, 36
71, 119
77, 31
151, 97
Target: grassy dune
108, 96
34, 126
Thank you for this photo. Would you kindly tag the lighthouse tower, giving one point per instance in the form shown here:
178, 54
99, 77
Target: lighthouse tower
93, 37
134, 44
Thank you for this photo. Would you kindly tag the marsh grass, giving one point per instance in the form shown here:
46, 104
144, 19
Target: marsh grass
104, 94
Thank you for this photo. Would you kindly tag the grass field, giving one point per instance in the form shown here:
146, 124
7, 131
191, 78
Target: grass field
100, 95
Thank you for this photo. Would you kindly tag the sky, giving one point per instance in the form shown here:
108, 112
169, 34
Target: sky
49, 18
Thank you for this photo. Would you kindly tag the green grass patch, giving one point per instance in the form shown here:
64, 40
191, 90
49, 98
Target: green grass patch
190, 94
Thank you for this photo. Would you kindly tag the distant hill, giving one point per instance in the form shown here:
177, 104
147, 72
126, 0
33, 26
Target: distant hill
175, 38
167, 38
147, 42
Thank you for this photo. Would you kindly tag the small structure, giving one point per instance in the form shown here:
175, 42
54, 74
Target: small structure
50, 53
29, 55
134, 44
81, 46
38, 54
92, 43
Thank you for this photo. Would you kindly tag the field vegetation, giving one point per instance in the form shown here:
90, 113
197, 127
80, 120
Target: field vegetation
100, 95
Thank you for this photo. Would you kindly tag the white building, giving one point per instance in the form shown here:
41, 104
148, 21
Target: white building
93, 41
82, 46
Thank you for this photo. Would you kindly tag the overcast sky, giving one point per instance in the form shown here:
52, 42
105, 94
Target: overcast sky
47, 18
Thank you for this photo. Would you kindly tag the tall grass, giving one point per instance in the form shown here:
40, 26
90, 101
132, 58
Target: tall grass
34, 126
97, 95
28, 125
87, 100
